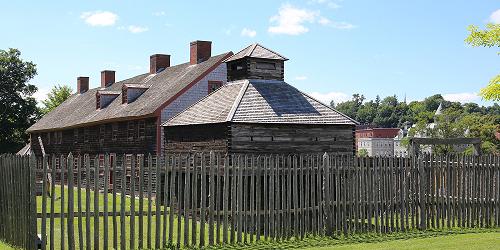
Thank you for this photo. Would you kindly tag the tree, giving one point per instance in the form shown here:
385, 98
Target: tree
363, 152
57, 95
18, 110
350, 108
489, 37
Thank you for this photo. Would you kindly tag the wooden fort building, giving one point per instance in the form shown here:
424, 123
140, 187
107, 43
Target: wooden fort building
258, 112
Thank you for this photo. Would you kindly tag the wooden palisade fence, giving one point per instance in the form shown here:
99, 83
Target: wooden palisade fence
199, 199
17, 201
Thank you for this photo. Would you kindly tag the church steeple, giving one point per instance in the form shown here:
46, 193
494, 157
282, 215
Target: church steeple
256, 62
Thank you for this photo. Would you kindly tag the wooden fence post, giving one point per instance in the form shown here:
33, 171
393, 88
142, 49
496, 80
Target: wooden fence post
326, 194
422, 195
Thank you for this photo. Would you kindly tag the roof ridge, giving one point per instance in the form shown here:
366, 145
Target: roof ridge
237, 101
253, 49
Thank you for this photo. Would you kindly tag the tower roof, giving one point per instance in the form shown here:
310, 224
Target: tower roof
259, 101
439, 110
257, 51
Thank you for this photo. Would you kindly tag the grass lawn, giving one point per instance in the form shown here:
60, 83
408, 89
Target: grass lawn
128, 202
457, 241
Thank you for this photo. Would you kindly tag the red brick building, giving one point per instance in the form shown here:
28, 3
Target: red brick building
376, 141
377, 133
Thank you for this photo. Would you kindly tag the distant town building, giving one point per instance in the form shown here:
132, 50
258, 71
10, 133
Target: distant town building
376, 141
399, 148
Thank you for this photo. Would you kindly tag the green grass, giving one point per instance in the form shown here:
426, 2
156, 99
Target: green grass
442, 238
458, 241
5, 246
128, 202
432, 239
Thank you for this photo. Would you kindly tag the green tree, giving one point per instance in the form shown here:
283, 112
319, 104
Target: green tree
18, 110
387, 117
363, 152
489, 37
367, 112
57, 95
350, 108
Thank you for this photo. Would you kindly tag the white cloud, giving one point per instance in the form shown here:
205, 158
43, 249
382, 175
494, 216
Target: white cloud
159, 13
137, 29
337, 25
326, 98
301, 78
99, 18
41, 94
291, 20
329, 3
461, 97
495, 17
324, 21
343, 25
248, 32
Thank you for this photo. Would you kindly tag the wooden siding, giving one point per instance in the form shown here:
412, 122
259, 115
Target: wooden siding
249, 69
260, 138
100, 139
204, 137
287, 138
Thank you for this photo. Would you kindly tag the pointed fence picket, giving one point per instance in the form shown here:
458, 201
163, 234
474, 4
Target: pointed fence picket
202, 198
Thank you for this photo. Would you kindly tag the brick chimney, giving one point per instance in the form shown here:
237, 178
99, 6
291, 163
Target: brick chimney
107, 78
158, 62
200, 51
82, 84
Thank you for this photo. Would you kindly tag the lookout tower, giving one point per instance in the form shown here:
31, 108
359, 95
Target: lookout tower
256, 62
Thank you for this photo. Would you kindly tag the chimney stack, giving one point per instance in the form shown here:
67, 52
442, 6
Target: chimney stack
107, 78
200, 51
158, 62
82, 84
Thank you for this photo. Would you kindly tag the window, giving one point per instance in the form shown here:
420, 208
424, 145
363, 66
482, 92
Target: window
266, 66
48, 138
141, 130
214, 85
114, 131
102, 133
130, 131
237, 66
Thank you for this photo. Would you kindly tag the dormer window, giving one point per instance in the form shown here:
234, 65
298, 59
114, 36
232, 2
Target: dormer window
104, 98
130, 92
266, 65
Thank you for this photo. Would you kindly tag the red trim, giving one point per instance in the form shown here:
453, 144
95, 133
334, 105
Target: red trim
158, 110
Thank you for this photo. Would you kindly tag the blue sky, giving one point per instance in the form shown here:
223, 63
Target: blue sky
336, 47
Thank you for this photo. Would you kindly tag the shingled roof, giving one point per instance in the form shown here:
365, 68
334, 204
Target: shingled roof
80, 109
256, 51
259, 101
